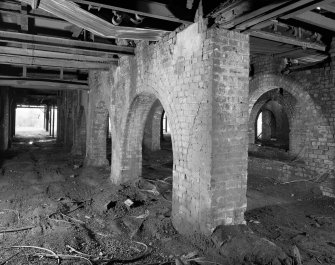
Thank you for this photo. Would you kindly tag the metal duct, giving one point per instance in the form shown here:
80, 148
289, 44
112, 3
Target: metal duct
72, 13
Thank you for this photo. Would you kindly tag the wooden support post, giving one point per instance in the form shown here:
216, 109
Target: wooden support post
50, 120
53, 121
47, 118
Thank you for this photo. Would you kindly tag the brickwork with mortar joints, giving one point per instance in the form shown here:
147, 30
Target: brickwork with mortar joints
200, 76
97, 124
312, 129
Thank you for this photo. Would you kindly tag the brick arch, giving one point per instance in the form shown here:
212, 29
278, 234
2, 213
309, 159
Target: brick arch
308, 125
286, 100
130, 156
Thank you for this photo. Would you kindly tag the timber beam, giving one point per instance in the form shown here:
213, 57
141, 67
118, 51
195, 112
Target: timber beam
6, 36
287, 40
49, 62
145, 8
42, 84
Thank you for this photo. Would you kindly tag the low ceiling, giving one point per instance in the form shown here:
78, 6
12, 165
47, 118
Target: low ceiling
50, 45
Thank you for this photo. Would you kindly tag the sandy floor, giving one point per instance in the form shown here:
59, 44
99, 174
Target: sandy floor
62, 207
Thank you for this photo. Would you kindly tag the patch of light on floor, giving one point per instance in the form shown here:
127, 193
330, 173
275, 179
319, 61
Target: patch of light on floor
46, 141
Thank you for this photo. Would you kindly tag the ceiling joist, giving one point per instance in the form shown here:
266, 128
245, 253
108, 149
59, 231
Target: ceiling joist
72, 13
307, 8
40, 61
32, 83
55, 55
287, 40
62, 42
145, 8
317, 20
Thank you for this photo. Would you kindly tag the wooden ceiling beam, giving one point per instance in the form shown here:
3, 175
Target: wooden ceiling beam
33, 14
42, 84
305, 9
317, 20
54, 55
287, 40
236, 21
144, 8
58, 42
39, 61
327, 7
67, 50
277, 13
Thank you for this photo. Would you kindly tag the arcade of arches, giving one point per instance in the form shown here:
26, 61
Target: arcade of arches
190, 97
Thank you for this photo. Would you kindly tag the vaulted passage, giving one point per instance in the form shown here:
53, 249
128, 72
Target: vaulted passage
272, 126
167, 132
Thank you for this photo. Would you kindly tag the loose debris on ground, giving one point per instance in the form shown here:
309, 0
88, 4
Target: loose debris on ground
54, 210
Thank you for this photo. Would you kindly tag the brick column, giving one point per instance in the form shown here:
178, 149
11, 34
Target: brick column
201, 78
210, 184
152, 135
228, 182
4, 119
97, 122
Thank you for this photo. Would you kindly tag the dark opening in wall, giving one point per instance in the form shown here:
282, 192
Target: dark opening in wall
272, 126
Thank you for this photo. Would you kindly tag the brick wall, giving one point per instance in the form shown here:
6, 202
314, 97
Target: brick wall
79, 143
200, 77
311, 114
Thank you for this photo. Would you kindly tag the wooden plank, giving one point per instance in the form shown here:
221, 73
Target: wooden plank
67, 50
30, 61
70, 12
33, 14
253, 14
144, 8
271, 15
287, 40
305, 9
329, 8
55, 41
54, 55
41, 84
317, 20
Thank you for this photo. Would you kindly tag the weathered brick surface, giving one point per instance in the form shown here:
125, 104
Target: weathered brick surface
79, 142
280, 170
97, 121
310, 109
201, 79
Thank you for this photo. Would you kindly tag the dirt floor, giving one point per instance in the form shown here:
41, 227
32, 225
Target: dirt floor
53, 209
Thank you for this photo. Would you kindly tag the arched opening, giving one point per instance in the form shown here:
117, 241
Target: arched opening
141, 136
272, 126
157, 155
